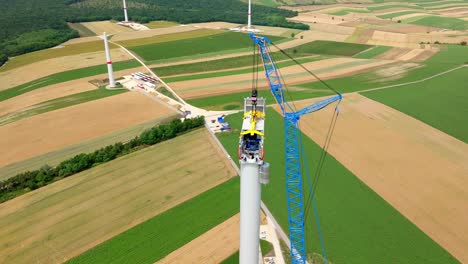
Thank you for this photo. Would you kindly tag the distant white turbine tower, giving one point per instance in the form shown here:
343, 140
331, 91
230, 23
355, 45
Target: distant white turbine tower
125, 10
109, 61
249, 23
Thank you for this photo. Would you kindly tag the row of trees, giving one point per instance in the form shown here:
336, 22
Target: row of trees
30, 25
31, 180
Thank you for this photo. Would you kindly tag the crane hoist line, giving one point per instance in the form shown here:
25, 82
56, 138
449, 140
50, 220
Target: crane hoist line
253, 131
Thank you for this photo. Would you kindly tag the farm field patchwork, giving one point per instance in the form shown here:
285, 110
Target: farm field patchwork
169, 37
169, 230
54, 130
63, 77
235, 72
373, 52
439, 22
227, 41
111, 198
59, 103
396, 14
212, 246
353, 226
329, 48
439, 102
41, 55
449, 57
41, 69
53, 158
368, 134
105, 26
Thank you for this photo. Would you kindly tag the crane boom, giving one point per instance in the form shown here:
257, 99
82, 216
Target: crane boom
294, 189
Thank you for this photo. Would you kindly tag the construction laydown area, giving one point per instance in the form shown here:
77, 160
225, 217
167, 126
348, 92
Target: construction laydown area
408, 163
96, 209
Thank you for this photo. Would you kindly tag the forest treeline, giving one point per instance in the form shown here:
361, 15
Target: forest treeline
31, 180
30, 25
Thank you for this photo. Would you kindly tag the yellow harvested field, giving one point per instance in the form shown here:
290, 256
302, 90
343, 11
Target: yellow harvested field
212, 247
53, 130
325, 69
68, 217
105, 26
36, 70
407, 162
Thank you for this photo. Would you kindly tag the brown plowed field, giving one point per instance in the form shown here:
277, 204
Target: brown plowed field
419, 170
68, 217
212, 247
43, 133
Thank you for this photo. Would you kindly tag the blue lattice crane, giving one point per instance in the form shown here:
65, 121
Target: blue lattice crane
294, 187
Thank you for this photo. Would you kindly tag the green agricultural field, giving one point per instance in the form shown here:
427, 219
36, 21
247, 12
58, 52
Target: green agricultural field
440, 102
227, 41
212, 65
328, 48
280, 64
439, 3
233, 259
396, 14
373, 52
159, 236
59, 103
440, 22
383, 7
344, 12
161, 24
265, 248
41, 55
449, 57
231, 101
64, 77
55, 157
358, 225
169, 37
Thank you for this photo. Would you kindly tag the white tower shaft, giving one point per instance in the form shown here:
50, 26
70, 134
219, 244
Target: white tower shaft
249, 213
125, 10
249, 24
109, 61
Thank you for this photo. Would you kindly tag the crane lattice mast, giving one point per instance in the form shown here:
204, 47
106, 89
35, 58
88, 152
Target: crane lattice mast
294, 189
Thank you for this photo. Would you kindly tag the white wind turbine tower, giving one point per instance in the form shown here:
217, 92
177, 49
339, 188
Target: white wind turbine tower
125, 11
109, 61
